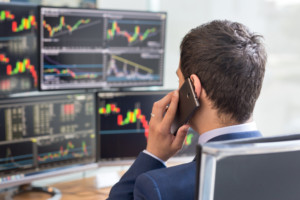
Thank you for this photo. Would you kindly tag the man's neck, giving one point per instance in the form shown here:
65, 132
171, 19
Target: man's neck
211, 120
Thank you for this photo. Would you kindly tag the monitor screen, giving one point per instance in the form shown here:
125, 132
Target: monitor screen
18, 48
123, 123
89, 48
42, 133
189, 146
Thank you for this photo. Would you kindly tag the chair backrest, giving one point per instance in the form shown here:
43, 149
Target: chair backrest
250, 169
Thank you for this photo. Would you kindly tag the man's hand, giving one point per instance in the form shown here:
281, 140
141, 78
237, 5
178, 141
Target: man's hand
161, 142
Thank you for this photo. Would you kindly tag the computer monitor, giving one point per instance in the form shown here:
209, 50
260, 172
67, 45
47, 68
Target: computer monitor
46, 135
255, 168
123, 123
18, 48
89, 48
122, 126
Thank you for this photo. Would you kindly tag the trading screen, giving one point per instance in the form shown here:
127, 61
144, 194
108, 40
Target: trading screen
101, 48
71, 48
46, 132
123, 125
18, 48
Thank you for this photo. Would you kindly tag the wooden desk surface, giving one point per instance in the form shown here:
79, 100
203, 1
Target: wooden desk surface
84, 188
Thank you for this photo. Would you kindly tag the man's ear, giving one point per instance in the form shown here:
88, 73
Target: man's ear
197, 84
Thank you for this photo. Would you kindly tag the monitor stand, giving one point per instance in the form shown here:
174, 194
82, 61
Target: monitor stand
54, 193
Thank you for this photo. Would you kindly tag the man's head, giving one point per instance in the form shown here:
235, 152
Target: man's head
230, 62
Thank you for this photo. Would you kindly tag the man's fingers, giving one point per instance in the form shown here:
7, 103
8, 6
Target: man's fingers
159, 107
170, 115
180, 136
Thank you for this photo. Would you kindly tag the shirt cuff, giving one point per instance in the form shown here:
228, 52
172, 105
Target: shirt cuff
155, 157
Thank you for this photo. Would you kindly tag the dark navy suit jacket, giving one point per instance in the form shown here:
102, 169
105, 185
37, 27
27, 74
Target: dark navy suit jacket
148, 178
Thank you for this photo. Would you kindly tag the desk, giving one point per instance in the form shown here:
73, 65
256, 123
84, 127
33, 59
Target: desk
84, 188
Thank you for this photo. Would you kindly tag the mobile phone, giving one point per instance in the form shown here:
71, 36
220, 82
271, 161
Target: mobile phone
187, 105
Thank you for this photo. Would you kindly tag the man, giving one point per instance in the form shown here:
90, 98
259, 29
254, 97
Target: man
226, 63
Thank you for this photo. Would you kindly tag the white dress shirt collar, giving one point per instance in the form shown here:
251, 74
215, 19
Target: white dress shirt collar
205, 137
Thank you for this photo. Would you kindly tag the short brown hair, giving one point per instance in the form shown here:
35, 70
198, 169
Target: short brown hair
230, 63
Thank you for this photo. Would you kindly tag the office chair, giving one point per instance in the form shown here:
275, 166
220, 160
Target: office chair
265, 168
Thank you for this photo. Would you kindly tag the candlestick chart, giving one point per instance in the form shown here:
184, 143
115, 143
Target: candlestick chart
61, 149
20, 67
131, 117
18, 49
18, 22
71, 31
134, 33
124, 123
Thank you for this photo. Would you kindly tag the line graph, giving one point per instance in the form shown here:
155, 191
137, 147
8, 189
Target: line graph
132, 67
62, 24
69, 69
68, 72
72, 31
70, 151
66, 149
16, 156
131, 33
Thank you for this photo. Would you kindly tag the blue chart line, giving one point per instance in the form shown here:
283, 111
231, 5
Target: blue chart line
11, 38
66, 157
76, 71
16, 157
84, 26
77, 74
124, 78
140, 22
16, 164
122, 131
99, 66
